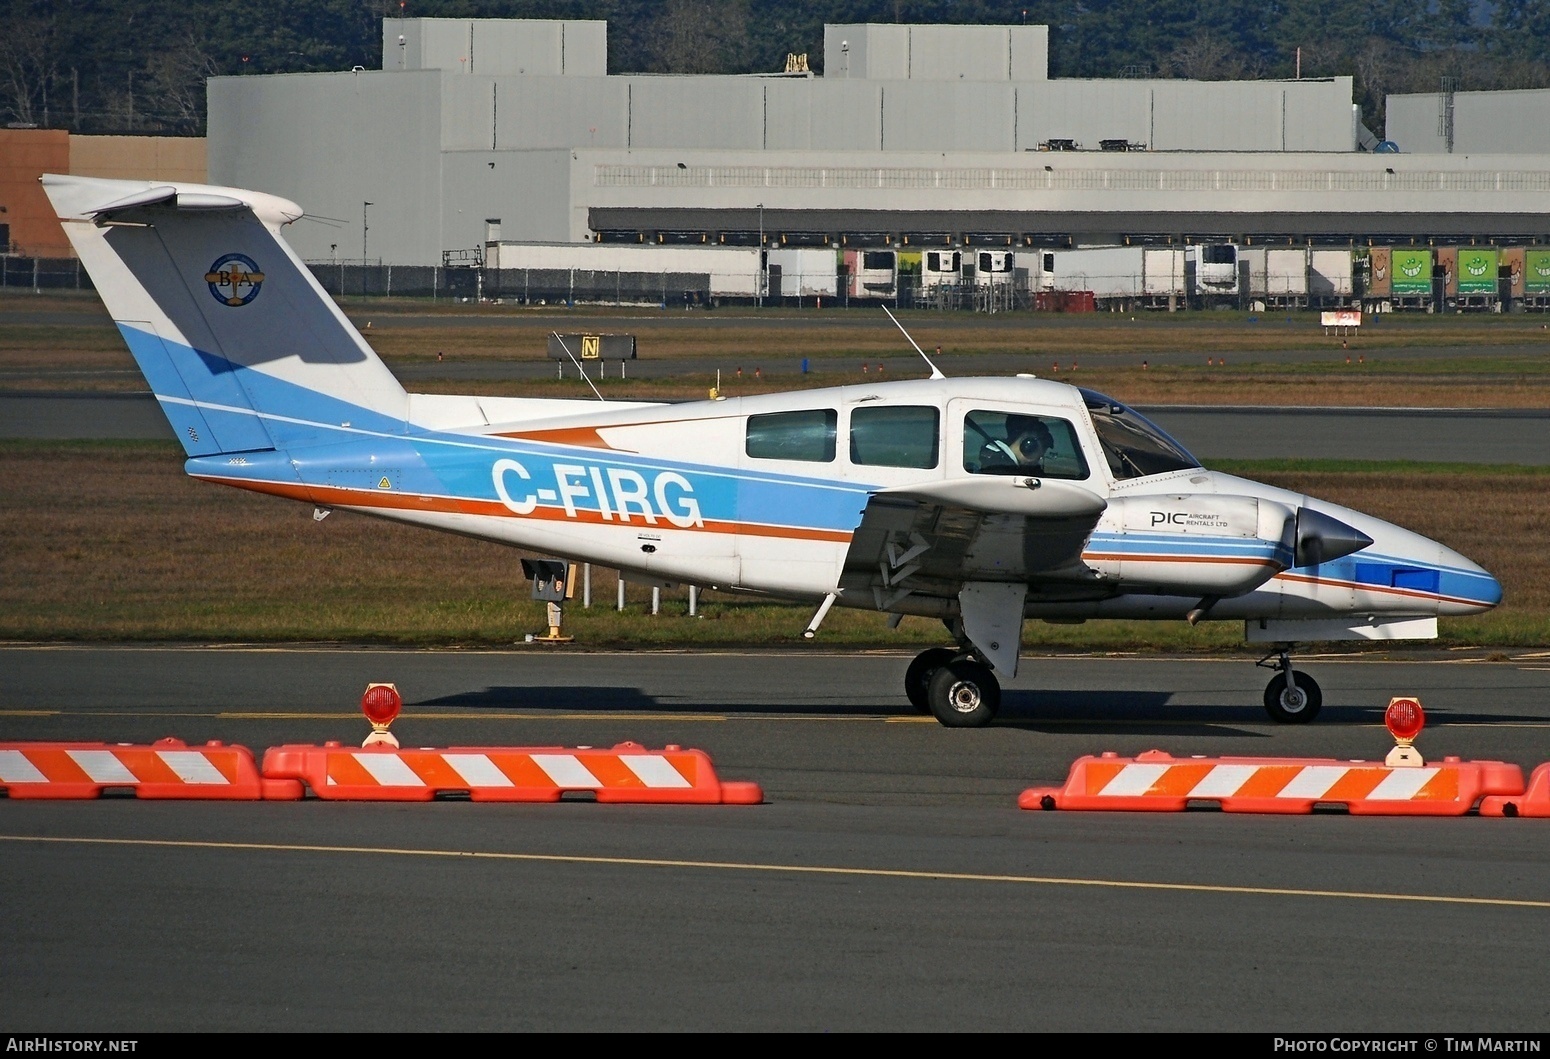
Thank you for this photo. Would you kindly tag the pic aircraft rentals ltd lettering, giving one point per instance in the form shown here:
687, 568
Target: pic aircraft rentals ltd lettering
981, 502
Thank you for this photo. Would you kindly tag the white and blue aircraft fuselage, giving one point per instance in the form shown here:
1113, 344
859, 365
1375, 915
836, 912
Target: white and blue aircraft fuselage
982, 502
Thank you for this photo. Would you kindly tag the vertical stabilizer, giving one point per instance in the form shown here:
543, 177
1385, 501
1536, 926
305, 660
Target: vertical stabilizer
242, 347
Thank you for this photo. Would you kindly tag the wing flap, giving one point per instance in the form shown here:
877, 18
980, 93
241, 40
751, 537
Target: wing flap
930, 541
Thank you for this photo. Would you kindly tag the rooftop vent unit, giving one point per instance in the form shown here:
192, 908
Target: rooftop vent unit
1060, 145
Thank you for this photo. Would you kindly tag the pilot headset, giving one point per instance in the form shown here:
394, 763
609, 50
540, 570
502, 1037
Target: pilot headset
1034, 440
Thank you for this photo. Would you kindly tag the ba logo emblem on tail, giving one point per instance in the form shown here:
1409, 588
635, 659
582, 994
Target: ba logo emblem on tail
234, 279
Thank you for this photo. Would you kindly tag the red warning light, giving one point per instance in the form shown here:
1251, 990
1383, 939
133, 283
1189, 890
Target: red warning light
381, 704
1405, 719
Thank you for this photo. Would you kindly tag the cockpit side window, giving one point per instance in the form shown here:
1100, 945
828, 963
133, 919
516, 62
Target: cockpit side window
895, 436
1023, 444
1133, 445
804, 435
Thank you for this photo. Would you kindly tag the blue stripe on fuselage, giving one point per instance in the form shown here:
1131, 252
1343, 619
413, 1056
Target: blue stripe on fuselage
1377, 571
326, 441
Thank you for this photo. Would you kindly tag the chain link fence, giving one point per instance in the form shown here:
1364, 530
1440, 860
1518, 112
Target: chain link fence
43, 273
558, 286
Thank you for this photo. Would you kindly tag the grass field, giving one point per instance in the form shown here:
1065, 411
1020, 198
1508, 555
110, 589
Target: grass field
110, 541
1410, 360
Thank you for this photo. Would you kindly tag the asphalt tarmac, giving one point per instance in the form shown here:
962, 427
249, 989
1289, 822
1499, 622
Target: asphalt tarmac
889, 882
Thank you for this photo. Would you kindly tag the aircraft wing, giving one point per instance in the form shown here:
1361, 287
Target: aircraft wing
931, 539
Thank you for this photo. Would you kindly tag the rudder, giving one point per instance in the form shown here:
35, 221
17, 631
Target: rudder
242, 347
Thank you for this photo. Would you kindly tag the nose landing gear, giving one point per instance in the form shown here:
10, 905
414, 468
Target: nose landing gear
1291, 697
955, 688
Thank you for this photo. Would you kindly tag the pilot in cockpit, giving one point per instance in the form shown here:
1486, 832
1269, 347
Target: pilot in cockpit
1022, 452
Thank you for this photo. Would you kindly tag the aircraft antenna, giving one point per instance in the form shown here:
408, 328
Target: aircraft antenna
576, 362
936, 372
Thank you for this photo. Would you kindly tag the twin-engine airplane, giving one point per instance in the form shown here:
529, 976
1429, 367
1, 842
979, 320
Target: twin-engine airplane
982, 502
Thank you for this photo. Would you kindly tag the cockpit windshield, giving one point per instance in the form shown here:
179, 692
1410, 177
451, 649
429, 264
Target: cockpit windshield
1134, 446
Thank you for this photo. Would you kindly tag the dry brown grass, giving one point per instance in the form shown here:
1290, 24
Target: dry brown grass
1474, 361
108, 541
1133, 385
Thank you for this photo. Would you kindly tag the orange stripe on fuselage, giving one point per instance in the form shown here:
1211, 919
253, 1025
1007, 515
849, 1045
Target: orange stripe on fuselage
1127, 557
577, 437
334, 496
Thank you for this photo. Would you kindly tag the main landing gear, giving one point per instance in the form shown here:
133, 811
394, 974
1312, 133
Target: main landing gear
1291, 697
954, 687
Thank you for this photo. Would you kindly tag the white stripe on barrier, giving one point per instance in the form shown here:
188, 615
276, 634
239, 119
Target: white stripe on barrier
101, 766
15, 768
389, 770
191, 766
1313, 781
1223, 781
477, 770
1402, 784
565, 771
1134, 780
654, 771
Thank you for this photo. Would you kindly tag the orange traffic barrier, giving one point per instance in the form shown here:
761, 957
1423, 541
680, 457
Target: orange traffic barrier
1533, 802
167, 768
627, 772
1158, 782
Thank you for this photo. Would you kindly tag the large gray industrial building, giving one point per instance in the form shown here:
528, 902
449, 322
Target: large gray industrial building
1444, 122
914, 134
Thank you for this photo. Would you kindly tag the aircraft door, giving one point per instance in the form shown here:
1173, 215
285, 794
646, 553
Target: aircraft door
792, 519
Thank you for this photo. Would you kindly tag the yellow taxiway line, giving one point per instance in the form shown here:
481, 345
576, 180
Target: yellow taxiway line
795, 869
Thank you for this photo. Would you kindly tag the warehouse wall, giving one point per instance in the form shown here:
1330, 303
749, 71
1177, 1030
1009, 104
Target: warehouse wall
25, 155
331, 142
140, 157
1511, 122
803, 114
528, 190
870, 51
490, 46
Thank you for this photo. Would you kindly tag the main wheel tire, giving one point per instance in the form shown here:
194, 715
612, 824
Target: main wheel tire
964, 694
917, 678
1297, 704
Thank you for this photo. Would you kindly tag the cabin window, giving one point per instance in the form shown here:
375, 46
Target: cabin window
895, 436
1021, 444
1133, 445
807, 435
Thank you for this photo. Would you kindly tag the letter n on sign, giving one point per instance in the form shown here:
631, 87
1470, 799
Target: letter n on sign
591, 346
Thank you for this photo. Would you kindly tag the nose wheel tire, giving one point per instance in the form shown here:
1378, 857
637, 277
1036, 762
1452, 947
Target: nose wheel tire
964, 694
917, 678
1295, 704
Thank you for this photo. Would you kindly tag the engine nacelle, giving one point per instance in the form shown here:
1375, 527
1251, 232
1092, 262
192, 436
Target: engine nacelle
1201, 544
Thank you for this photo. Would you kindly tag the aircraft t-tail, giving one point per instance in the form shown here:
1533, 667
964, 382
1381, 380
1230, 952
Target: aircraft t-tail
981, 501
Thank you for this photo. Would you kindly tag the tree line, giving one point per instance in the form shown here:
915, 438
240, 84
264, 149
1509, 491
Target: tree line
139, 66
